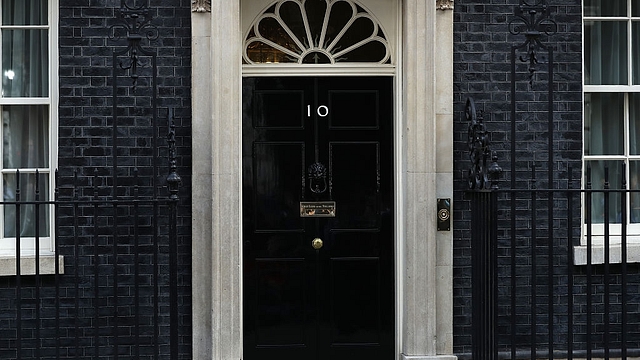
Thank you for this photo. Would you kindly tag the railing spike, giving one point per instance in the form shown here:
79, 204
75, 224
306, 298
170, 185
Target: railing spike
173, 179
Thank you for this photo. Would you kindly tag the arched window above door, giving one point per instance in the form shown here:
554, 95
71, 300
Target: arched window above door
316, 32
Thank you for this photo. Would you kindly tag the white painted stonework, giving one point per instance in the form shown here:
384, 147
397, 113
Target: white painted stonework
423, 66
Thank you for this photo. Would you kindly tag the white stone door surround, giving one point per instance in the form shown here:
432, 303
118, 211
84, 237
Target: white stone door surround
424, 166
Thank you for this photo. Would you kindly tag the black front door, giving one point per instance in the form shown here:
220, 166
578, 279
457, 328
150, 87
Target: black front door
318, 218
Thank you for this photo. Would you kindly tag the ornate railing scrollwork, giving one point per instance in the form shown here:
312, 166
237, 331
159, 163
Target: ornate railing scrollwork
532, 20
481, 176
134, 24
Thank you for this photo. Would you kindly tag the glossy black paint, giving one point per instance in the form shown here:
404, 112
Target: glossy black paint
336, 302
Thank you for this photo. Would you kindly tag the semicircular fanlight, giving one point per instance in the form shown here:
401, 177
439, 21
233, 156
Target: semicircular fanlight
316, 32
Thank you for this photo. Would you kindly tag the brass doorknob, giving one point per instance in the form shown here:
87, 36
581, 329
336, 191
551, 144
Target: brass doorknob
317, 243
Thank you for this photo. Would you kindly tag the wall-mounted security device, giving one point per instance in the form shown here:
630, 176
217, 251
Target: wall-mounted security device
444, 214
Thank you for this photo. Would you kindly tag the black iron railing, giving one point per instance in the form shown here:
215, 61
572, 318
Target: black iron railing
533, 298
112, 289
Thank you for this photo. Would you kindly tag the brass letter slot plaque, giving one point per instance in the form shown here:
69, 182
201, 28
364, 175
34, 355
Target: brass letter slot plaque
318, 209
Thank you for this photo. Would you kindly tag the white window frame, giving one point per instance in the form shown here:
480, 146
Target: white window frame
615, 230
8, 253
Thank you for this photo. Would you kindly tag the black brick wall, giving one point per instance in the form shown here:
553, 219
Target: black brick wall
482, 70
85, 146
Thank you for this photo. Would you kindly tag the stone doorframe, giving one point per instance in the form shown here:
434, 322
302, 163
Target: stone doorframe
424, 259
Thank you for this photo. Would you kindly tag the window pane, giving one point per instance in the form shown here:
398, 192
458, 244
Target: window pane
598, 208
636, 51
26, 222
603, 123
25, 136
315, 10
341, 13
24, 12
373, 50
605, 7
634, 184
25, 70
605, 44
260, 52
271, 29
635, 7
292, 16
634, 123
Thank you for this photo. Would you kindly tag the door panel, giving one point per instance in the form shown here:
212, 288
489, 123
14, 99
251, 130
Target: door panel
363, 103
280, 316
272, 109
355, 301
278, 168
355, 174
318, 140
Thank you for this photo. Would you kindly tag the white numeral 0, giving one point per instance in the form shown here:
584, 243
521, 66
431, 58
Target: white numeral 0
322, 111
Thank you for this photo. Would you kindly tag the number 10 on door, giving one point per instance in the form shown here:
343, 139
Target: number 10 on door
322, 111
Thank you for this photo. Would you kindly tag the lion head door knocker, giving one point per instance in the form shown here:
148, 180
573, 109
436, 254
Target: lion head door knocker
317, 178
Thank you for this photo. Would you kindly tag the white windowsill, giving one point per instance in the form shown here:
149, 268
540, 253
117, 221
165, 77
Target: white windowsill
28, 264
597, 254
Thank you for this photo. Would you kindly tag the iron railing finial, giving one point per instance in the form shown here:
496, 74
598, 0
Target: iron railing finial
173, 179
